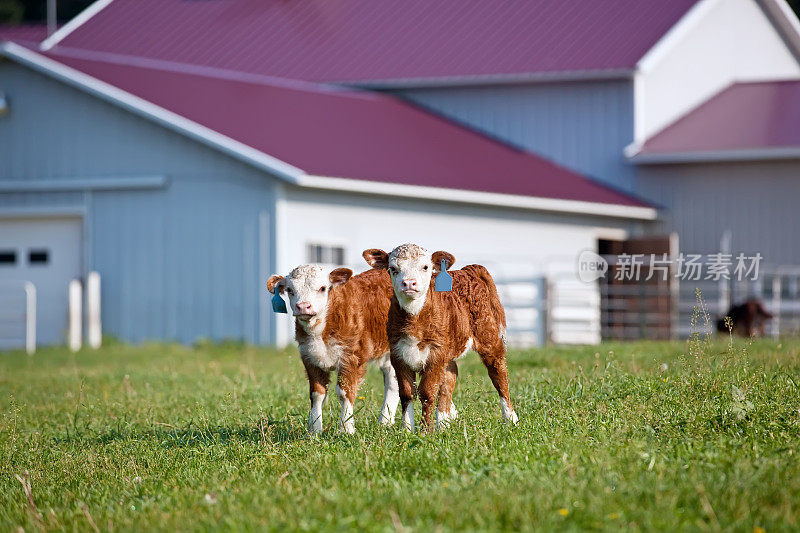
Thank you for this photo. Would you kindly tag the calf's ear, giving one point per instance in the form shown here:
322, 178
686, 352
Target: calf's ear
376, 258
275, 281
440, 256
340, 275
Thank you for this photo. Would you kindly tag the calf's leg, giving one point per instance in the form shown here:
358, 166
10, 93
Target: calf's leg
347, 388
391, 394
446, 410
429, 385
495, 362
406, 385
318, 381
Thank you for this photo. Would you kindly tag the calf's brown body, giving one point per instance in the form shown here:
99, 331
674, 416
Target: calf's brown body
449, 323
348, 335
356, 325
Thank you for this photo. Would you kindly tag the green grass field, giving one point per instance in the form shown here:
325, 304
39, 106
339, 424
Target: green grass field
647, 436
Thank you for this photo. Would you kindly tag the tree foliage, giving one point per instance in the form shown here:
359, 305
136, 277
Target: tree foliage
11, 11
32, 11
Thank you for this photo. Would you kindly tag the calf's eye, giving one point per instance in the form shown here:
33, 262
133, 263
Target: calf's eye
425, 268
322, 289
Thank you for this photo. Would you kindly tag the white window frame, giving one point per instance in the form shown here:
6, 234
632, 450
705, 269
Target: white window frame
327, 252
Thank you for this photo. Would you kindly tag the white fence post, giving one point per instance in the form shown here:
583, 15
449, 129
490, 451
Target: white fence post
94, 325
777, 288
30, 318
75, 312
544, 311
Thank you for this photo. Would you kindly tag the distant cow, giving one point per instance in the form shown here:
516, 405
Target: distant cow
429, 330
747, 319
340, 324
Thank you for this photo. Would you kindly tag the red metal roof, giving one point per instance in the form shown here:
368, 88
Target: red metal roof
744, 116
335, 132
26, 34
361, 40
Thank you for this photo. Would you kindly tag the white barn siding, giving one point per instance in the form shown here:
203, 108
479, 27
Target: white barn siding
508, 242
718, 43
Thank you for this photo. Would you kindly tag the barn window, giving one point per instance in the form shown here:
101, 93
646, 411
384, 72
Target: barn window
8, 257
38, 257
324, 253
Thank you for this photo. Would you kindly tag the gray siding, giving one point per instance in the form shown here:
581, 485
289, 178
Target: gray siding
756, 201
179, 262
582, 125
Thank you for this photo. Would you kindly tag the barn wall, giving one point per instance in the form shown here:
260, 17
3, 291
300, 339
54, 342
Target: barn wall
510, 243
181, 261
756, 201
500, 238
582, 125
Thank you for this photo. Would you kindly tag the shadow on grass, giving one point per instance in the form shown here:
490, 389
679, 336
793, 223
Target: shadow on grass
266, 432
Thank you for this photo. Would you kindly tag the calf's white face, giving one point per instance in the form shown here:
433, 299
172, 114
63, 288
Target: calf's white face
308, 287
411, 268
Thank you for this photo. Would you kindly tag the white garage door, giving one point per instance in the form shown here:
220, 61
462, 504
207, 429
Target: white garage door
46, 252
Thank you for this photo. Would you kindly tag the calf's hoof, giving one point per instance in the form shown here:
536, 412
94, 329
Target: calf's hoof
508, 412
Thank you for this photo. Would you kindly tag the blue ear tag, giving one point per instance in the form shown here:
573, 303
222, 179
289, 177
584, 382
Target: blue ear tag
278, 305
444, 281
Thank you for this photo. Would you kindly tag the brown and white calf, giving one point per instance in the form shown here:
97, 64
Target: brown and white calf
340, 325
429, 330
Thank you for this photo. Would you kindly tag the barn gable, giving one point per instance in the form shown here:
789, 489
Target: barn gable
717, 43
